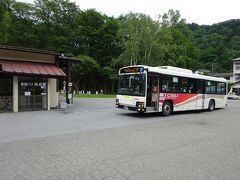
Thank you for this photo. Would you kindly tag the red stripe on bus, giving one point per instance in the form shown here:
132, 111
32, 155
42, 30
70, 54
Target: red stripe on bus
175, 97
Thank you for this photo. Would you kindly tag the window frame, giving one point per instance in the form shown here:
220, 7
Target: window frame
225, 88
211, 86
9, 86
237, 66
195, 84
189, 80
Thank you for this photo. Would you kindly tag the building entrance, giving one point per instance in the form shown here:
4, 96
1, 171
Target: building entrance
32, 94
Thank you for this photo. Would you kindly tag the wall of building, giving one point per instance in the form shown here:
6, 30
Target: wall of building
5, 93
235, 71
15, 93
31, 56
6, 103
237, 85
26, 56
52, 92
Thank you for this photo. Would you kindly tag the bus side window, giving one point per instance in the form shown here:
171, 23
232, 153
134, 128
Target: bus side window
200, 86
192, 86
165, 84
170, 84
184, 84
210, 87
221, 88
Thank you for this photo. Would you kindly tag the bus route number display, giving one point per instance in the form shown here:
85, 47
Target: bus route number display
132, 70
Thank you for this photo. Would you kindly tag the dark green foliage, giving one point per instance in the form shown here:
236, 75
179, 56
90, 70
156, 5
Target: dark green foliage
85, 74
104, 44
95, 36
218, 44
59, 25
167, 41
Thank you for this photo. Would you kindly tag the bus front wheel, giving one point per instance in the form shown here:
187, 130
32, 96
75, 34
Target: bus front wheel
211, 105
167, 108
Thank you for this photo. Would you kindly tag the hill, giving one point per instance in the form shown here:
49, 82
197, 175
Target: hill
218, 44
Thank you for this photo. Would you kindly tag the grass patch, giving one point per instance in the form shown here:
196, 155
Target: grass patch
95, 95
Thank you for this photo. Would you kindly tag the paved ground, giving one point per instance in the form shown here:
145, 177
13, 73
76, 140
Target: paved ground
85, 115
102, 142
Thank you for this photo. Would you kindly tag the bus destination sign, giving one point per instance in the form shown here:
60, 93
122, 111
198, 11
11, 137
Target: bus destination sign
132, 70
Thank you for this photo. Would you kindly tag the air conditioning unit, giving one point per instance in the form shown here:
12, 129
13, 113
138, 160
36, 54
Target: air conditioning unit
171, 68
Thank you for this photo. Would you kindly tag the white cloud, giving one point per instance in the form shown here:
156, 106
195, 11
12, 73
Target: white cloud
199, 11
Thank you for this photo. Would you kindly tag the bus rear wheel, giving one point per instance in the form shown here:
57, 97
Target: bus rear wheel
167, 108
211, 105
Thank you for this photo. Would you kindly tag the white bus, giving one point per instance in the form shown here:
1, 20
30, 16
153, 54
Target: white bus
166, 89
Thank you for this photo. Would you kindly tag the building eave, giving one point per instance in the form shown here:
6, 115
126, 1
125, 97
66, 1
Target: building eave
31, 50
236, 59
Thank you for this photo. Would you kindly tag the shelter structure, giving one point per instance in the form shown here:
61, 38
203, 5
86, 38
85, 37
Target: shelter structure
31, 79
236, 76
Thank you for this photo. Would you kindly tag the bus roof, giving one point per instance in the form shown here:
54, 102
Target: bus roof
170, 70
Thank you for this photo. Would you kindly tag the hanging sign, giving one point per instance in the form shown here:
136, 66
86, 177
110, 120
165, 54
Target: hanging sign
27, 93
132, 70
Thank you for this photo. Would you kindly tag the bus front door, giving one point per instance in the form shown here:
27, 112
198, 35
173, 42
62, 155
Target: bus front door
152, 93
201, 95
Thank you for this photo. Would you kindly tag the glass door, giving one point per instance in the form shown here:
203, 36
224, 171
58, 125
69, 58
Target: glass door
25, 95
40, 94
32, 94
153, 92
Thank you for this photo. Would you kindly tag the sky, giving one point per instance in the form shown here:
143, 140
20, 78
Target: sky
205, 12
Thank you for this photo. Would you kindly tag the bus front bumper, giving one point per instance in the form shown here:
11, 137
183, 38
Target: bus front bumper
125, 107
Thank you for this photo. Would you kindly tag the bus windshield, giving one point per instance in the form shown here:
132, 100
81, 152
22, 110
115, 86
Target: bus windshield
132, 84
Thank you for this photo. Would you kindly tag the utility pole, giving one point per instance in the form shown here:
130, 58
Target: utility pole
212, 68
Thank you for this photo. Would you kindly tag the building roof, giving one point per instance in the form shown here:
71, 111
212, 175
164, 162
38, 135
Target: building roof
30, 68
29, 50
237, 59
237, 82
230, 74
177, 73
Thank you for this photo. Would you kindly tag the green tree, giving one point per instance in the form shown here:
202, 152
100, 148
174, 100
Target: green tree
5, 20
138, 37
179, 47
96, 36
86, 73
56, 22
218, 44
166, 41
4, 31
22, 28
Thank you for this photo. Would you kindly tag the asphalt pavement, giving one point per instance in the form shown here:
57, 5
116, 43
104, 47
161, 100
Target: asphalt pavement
93, 140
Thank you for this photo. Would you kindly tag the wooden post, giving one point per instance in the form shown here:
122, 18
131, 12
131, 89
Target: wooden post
69, 68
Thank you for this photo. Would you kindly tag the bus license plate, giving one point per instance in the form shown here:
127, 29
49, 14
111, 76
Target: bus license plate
125, 107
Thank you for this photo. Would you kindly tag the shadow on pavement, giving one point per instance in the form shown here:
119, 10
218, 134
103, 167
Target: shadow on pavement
158, 114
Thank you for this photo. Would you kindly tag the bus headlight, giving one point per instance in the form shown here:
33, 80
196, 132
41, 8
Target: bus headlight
117, 101
140, 104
